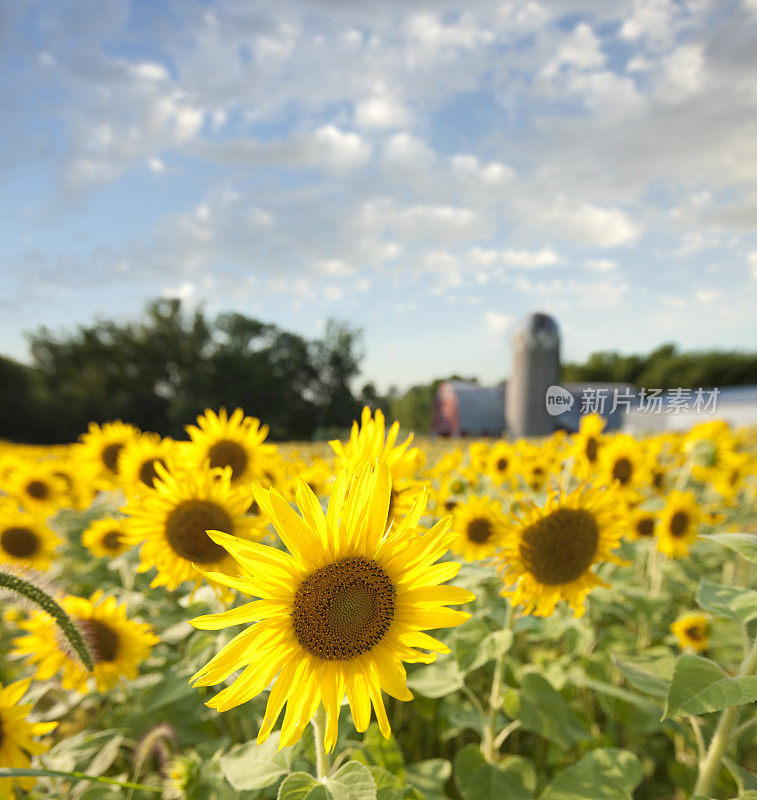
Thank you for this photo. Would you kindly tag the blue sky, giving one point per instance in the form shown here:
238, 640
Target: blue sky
429, 172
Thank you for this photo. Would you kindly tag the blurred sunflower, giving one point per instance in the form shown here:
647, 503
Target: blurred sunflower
587, 444
137, 460
692, 631
101, 447
106, 538
118, 644
170, 522
623, 466
502, 464
642, 524
339, 612
479, 525
17, 736
35, 486
548, 555
25, 539
678, 526
234, 441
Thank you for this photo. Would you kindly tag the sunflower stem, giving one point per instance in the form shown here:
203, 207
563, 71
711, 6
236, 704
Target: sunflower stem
34, 593
723, 736
489, 720
321, 756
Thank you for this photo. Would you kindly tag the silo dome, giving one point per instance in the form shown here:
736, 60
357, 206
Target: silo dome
536, 367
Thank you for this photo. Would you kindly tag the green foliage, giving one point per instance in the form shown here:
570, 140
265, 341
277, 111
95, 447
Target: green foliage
745, 544
666, 367
735, 602
700, 686
352, 782
478, 779
602, 774
163, 370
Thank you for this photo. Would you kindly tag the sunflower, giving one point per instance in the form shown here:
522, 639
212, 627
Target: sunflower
587, 444
549, 553
170, 522
118, 644
36, 487
367, 443
339, 612
137, 460
623, 466
101, 447
642, 524
679, 521
502, 464
17, 736
234, 441
25, 539
692, 631
480, 526
106, 538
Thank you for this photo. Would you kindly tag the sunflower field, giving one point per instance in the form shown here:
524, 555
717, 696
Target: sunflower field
571, 618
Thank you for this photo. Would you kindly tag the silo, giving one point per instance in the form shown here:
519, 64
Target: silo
536, 366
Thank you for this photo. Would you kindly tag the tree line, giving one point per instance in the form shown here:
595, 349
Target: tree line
161, 371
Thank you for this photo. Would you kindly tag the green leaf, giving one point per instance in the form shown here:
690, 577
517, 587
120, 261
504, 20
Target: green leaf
429, 777
353, 781
644, 673
603, 774
735, 602
750, 794
544, 711
745, 544
436, 680
388, 786
700, 686
477, 779
252, 766
745, 780
301, 786
475, 644
382, 752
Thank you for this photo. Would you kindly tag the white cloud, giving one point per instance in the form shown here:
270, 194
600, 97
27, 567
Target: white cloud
650, 19
751, 261
530, 259
600, 264
406, 151
580, 50
341, 149
156, 165
590, 224
492, 173
498, 323
381, 112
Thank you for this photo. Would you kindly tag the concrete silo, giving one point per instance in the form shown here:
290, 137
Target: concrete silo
536, 366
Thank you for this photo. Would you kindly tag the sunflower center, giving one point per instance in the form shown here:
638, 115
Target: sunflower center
591, 449
102, 639
502, 464
343, 609
39, 490
225, 453
110, 455
112, 540
560, 547
148, 473
622, 471
694, 633
479, 530
679, 523
19, 542
657, 479
186, 528
449, 504
645, 526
